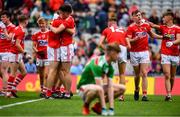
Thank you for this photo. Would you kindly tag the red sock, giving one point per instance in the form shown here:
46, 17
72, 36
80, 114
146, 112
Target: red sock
144, 93
53, 89
48, 93
57, 89
10, 83
19, 78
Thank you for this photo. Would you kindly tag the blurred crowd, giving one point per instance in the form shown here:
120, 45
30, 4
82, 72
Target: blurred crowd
91, 18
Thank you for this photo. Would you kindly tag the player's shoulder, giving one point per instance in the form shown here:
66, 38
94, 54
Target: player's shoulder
70, 18
11, 25
176, 27
37, 32
132, 25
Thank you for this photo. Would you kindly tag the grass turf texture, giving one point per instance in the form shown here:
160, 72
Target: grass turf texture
61, 107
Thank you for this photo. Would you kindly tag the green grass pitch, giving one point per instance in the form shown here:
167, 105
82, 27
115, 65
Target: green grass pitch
61, 107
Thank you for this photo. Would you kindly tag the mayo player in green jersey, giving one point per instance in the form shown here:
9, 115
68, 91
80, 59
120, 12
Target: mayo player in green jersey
91, 84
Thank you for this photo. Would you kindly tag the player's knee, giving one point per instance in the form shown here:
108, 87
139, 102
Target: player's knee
100, 89
24, 74
167, 75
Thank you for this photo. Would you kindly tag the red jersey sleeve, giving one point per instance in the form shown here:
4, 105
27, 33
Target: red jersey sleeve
19, 35
129, 32
104, 32
34, 37
178, 30
69, 23
148, 28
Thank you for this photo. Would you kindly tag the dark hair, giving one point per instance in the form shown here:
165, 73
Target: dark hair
113, 47
168, 13
135, 12
66, 8
6, 13
22, 18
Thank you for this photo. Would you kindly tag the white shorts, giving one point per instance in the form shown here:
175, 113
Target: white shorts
53, 54
122, 54
168, 59
15, 57
4, 57
139, 57
67, 52
42, 62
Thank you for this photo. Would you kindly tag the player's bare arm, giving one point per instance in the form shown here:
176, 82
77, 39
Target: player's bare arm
71, 30
154, 35
130, 39
58, 29
34, 46
154, 25
18, 45
101, 42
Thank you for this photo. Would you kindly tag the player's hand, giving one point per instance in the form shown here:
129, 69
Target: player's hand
2, 25
169, 44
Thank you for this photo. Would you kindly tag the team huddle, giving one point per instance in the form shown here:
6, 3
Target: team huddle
53, 45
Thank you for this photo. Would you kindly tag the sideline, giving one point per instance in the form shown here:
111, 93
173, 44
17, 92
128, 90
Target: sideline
20, 103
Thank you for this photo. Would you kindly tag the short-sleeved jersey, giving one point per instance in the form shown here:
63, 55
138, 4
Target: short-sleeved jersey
53, 40
95, 68
19, 33
65, 37
142, 32
169, 34
115, 34
5, 44
41, 39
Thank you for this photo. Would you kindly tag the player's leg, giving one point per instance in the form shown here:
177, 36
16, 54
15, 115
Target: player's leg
166, 66
122, 67
134, 58
136, 82
167, 75
144, 64
119, 89
22, 73
143, 72
13, 67
52, 71
4, 65
66, 79
175, 62
3, 70
89, 93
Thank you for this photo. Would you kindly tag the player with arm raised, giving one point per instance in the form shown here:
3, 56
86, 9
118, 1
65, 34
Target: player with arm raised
137, 34
169, 50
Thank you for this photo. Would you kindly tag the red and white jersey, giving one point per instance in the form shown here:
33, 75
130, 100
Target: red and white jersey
53, 40
19, 33
142, 32
115, 34
41, 38
65, 37
5, 44
169, 34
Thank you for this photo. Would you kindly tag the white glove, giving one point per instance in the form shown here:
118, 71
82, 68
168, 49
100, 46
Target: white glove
2, 25
169, 44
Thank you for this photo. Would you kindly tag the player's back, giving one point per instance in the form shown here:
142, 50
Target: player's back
115, 34
67, 38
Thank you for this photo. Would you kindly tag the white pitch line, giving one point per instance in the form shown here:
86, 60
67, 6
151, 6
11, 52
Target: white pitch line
20, 103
